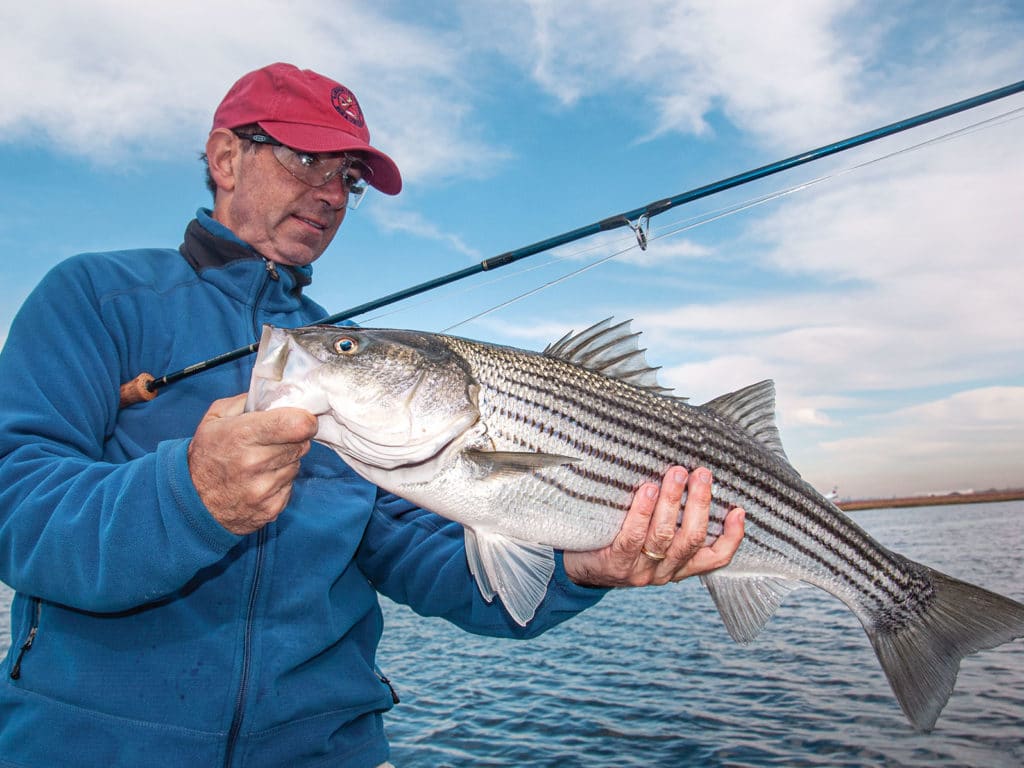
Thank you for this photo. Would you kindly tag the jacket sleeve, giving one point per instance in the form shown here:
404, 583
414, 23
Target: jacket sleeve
74, 528
418, 558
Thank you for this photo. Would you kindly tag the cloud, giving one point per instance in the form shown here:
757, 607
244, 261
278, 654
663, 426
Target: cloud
692, 55
396, 219
916, 445
787, 73
682, 60
109, 79
906, 274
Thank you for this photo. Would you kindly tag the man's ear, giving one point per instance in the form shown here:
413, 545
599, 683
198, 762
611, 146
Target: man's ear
222, 152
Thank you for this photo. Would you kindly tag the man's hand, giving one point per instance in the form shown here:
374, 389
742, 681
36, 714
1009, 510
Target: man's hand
650, 548
243, 464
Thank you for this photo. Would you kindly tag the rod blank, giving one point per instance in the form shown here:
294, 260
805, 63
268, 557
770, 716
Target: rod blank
150, 385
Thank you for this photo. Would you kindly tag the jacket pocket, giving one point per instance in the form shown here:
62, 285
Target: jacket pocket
36, 608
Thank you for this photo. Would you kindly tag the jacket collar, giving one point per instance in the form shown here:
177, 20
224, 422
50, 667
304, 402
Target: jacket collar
218, 256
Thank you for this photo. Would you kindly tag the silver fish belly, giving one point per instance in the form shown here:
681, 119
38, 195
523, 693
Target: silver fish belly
534, 452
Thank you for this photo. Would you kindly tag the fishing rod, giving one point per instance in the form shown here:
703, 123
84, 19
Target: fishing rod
145, 386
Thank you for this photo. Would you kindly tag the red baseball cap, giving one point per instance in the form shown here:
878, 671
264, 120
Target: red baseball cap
306, 111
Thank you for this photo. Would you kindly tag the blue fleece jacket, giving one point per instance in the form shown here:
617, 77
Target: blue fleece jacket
144, 633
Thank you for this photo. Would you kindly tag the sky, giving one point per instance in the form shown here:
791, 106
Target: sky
882, 288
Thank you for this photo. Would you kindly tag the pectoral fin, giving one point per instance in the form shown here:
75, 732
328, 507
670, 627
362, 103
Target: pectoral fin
516, 571
495, 464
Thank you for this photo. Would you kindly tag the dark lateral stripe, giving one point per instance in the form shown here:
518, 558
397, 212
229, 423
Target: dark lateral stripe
763, 524
663, 457
620, 421
548, 380
797, 494
669, 453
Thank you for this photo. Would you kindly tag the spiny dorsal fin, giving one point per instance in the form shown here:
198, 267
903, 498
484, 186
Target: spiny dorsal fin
753, 409
610, 350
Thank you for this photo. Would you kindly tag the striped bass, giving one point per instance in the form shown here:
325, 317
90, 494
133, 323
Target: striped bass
535, 452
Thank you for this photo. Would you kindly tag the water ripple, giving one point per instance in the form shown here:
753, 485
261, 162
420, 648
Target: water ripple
651, 678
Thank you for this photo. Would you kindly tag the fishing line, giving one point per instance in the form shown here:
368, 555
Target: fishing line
683, 225
633, 246
689, 223
145, 386
721, 213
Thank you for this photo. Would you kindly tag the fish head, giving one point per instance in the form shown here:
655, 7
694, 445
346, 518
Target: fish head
384, 398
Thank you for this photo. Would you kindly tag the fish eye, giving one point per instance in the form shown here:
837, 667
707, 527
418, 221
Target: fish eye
346, 345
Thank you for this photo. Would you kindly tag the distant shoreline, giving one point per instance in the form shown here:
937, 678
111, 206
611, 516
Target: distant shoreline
849, 505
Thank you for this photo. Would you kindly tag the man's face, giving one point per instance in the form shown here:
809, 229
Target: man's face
286, 220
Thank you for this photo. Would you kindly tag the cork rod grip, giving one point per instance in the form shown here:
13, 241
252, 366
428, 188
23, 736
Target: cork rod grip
137, 390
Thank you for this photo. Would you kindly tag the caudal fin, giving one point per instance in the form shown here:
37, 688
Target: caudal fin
922, 658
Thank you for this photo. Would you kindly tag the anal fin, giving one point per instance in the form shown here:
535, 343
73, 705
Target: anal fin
746, 602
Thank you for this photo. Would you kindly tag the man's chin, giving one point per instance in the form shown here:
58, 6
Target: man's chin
298, 255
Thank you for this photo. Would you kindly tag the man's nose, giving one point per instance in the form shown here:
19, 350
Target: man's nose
334, 193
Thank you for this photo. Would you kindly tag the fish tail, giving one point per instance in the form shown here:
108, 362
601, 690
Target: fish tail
921, 656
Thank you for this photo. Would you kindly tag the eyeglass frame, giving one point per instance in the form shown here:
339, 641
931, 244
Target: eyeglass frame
354, 187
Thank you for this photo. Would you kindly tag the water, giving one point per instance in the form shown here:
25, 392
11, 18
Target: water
650, 677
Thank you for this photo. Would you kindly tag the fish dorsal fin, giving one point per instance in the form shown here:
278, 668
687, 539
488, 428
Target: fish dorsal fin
753, 409
610, 350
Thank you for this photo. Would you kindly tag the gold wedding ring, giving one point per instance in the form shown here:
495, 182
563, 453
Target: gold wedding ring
651, 555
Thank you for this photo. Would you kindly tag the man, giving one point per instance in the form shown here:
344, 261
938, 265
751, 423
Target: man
197, 586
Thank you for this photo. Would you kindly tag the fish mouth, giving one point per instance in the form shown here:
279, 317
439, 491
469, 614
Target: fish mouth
281, 375
271, 356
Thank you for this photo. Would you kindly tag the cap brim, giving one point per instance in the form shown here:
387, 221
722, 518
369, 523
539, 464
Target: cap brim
385, 175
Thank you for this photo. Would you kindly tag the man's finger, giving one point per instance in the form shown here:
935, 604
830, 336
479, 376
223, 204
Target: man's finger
627, 544
226, 406
662, 528
719, 554
284, 456
725, 546
693, 532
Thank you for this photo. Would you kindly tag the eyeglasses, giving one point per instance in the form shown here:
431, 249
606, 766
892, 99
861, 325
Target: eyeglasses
316, 169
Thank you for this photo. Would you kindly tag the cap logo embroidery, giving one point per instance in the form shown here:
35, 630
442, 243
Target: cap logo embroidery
345, 104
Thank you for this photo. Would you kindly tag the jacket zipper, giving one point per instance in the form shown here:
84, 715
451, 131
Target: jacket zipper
27, 645
250, 613
261, 538
243, 682
272, 276
383, 679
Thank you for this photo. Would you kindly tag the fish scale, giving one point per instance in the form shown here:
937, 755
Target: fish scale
816, 546
535, 451
573, 406
549, 392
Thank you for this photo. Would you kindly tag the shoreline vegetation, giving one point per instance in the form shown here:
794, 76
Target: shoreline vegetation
929, 500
